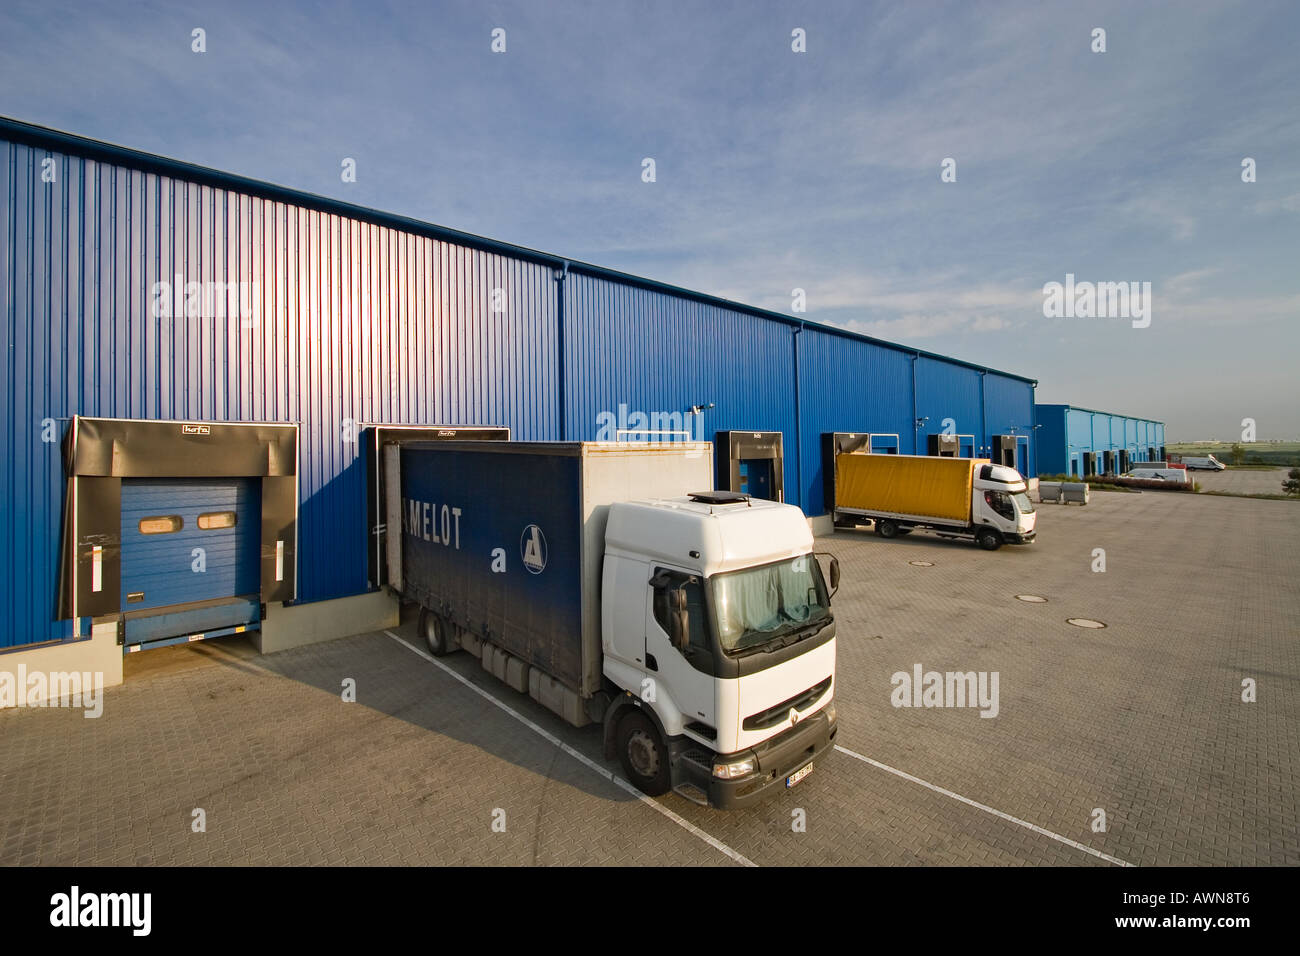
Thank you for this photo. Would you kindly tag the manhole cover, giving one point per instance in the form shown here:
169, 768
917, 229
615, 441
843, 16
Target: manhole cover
1083, 622
921, 564
1031, 599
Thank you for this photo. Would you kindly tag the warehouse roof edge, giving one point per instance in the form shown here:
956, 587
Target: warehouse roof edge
58, 140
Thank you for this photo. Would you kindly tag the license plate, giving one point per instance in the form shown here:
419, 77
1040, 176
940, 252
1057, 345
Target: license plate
795, 777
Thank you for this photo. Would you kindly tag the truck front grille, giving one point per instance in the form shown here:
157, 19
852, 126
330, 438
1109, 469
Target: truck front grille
779, 712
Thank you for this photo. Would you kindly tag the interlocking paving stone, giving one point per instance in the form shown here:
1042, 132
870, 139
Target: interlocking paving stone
1142, 719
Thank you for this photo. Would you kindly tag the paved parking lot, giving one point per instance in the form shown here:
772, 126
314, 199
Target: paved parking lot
1142, 720
1242, 481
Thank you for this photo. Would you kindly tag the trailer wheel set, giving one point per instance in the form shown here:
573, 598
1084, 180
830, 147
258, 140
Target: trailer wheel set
639, 744
436, 631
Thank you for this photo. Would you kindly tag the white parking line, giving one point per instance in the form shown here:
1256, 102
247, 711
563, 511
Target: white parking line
979, 806
585, 761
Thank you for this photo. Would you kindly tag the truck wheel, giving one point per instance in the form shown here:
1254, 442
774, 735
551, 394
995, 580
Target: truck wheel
643, 754
887, 528
436, 633
988, 539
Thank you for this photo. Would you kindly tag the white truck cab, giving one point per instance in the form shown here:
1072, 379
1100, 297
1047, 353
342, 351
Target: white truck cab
715, 607
1000, 500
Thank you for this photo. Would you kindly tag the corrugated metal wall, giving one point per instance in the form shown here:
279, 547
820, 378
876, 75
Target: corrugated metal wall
1009, 410
846, 385
659, 354
1052, 452
945, 392
353, 319
1086, 430
349, 321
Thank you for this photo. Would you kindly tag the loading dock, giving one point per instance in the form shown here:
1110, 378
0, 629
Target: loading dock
941, 446
1012, 451
377, 436
884, 444
208, 527
751, 463
833, 445
944, 445
177, 531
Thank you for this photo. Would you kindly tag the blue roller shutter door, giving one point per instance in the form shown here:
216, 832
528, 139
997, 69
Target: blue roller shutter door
186, 541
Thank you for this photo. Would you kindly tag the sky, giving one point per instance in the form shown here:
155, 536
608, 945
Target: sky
777, 169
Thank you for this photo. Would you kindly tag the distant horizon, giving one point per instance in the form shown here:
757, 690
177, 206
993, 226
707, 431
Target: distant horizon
1230, 441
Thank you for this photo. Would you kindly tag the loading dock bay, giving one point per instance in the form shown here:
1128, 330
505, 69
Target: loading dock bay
1142, 719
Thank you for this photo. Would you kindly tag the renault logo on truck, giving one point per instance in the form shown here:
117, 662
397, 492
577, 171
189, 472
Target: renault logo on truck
532, 545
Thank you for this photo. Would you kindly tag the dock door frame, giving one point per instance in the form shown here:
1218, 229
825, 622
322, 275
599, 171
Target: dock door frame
733, 448
377, 436
99, 452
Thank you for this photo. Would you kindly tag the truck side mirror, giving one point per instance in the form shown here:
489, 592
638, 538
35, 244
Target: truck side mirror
679, 618
835, 571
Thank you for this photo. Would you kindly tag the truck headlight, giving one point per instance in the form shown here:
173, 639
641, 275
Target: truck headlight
736, 768
830, 712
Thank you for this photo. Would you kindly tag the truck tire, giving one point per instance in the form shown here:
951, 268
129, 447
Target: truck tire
642, 752
988, 539
887, 528
436, 633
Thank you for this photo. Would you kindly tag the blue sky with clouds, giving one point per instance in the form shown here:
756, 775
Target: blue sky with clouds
775, 169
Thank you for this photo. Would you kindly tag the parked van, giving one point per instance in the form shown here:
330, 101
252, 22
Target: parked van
1208, 463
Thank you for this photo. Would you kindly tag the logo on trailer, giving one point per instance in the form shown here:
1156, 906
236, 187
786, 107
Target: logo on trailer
196, 430
532, 545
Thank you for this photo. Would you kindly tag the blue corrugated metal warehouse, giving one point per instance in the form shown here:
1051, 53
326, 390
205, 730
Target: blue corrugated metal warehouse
1083, 441
173, 327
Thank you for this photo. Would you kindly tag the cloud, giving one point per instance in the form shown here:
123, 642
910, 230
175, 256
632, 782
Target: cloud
775, 170
1162, 214
1289, 203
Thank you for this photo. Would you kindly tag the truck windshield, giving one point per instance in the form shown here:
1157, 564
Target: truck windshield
1023, 504
757, 605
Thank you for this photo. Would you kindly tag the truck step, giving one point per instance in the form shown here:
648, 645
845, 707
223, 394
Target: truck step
691, 792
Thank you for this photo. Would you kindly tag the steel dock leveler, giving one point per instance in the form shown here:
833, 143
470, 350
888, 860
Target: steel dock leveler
694, 626
954, 497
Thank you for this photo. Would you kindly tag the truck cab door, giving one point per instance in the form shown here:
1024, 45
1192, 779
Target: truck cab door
997, 507
683, 678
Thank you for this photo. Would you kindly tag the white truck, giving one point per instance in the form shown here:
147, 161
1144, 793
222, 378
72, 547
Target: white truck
1208, 463
954, 497
598, 578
